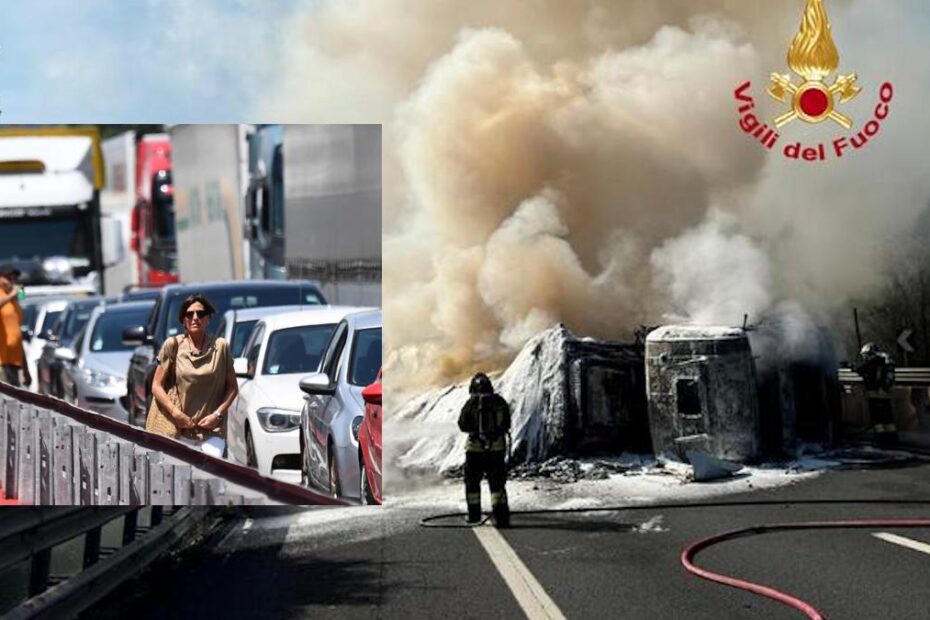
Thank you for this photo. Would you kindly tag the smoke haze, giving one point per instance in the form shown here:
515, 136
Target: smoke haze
580, 162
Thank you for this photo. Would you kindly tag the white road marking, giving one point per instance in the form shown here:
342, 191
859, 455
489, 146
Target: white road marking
247, 525
534, 601
910, 543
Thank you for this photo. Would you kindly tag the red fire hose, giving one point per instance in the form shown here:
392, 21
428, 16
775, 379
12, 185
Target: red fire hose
691, 551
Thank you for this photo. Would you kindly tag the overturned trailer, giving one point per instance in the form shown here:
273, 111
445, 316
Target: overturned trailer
576, 396
701, 389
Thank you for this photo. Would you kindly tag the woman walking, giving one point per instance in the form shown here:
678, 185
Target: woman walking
194, 383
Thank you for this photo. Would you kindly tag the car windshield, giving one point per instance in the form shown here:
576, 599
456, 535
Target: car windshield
366, 357
296, 349
76, 318
241, 333
108, 330
243, 297
51, 318
30, 313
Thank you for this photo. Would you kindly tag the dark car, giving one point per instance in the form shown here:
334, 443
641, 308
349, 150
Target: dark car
164, 323
139, 294
69, 323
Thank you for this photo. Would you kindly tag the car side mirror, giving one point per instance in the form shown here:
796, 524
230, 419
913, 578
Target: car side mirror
317, 384
372, 394
66, 354
241, 367
135, 336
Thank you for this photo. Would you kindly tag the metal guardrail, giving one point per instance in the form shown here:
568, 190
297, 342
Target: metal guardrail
53, 453
903, 376
33, 533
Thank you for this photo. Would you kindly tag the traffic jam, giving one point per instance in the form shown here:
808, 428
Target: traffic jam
109, 236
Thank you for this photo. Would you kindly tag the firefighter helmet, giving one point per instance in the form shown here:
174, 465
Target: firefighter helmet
480, 384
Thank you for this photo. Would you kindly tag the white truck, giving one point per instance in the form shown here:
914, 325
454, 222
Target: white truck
209, 170
50, 217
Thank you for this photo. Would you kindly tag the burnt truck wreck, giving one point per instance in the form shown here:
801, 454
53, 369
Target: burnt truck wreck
605, 406
726, 392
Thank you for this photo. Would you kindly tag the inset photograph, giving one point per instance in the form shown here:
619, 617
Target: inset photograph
190, 314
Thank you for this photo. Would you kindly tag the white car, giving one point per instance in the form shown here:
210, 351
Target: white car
264, 420
236, 325
47, 313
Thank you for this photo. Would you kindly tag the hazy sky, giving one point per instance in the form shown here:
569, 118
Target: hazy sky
137, 60
178, 60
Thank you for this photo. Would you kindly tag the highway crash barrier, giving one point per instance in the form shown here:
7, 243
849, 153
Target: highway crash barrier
910, 405
53, 453
111, 545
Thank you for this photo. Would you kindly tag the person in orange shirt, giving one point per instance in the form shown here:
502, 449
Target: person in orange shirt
12, 355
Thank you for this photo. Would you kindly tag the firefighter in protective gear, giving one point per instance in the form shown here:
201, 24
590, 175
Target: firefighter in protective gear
877, 371
486, 419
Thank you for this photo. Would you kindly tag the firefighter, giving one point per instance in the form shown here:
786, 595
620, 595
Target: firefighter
877, 371
486, 419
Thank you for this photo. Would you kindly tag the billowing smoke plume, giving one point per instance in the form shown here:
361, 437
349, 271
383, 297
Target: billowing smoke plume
579, 162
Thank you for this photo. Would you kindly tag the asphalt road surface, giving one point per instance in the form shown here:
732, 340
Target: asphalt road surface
379, 563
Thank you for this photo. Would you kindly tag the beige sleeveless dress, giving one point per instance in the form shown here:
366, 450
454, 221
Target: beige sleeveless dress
200, 377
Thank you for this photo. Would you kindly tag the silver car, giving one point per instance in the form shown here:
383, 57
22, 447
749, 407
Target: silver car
333, 405
96, 377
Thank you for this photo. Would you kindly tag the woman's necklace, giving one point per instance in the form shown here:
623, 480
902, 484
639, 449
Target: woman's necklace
197, 350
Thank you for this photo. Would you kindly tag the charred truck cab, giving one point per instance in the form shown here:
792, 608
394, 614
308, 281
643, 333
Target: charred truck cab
50, 223
701, 388
153, 232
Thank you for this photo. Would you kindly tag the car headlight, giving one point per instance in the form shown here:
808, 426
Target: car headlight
356, 423
277, 420
95, 378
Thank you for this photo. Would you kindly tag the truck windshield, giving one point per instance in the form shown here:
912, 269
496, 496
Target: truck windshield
58, 235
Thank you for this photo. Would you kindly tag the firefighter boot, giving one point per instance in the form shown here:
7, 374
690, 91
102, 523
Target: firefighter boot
501, 509
474, 508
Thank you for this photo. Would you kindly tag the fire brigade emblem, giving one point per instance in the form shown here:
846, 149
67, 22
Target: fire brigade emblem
813, 57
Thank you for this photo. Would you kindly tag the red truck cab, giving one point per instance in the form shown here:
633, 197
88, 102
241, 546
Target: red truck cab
153, 231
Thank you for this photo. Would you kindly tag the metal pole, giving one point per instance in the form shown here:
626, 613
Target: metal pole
129, 527
39, 573
92, 547
858, 333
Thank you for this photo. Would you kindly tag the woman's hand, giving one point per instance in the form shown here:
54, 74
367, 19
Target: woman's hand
181, 420
211, 421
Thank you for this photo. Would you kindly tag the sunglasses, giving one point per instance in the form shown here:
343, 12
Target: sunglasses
200, 314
